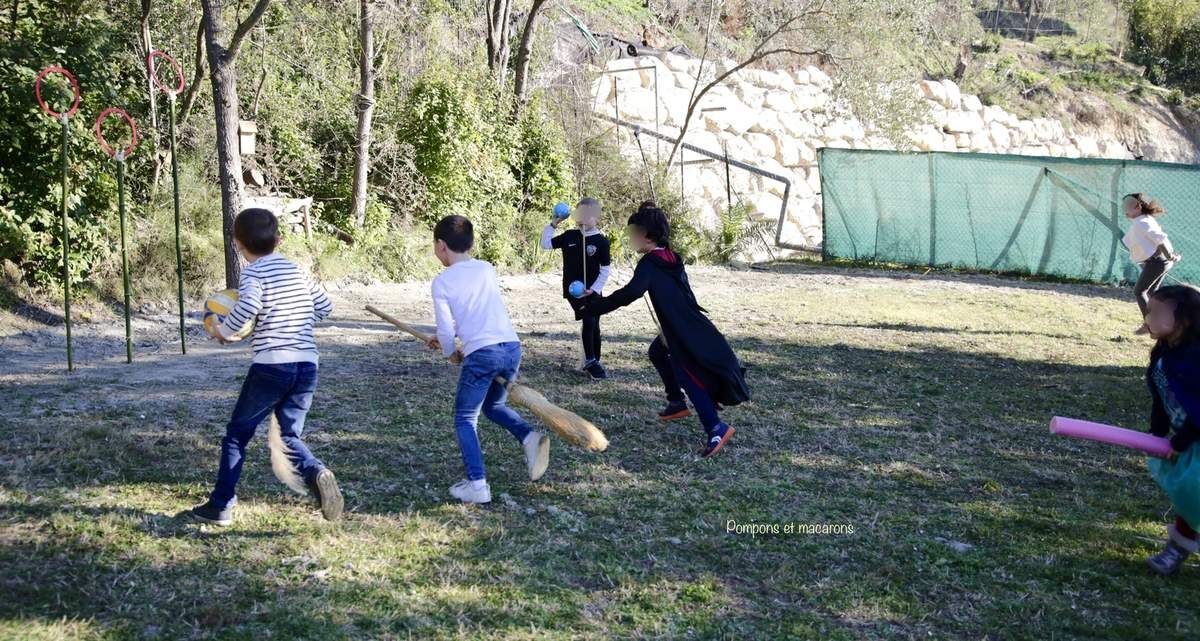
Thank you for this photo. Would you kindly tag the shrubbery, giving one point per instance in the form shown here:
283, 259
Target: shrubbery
1166, 38
30, 141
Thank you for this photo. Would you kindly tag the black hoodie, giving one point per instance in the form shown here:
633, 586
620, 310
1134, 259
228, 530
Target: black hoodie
690, 335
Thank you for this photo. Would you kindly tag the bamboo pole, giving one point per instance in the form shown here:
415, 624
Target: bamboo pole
66, 244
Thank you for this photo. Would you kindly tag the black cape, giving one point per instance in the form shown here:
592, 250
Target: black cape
691, 336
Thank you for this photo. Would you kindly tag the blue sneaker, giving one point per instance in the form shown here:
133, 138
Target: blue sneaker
206, 512
717, 438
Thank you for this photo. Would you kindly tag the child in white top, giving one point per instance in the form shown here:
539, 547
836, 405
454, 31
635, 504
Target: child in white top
1149, 247
467, 306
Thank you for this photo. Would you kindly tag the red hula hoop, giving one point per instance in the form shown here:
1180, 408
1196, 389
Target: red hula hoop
154, 75
37, 90
104, 143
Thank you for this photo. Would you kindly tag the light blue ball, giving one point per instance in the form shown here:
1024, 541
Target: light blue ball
576, 289
562, 210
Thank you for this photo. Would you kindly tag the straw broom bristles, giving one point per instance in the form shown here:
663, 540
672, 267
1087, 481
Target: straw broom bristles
569, 426
281, 465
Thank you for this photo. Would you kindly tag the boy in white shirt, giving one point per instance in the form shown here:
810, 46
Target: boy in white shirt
1149, 247
467, 305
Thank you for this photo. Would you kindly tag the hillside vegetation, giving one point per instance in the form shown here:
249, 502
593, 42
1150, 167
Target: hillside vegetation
446, 138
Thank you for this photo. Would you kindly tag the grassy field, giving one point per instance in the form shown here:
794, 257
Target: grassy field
911, 409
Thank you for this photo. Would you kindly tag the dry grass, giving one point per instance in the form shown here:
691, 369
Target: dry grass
911, 408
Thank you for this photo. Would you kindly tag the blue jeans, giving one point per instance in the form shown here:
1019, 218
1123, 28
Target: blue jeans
478, 390
675, 376
285, 389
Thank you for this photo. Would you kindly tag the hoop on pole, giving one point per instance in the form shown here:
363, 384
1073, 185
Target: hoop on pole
37, 91
154, 72
112, 153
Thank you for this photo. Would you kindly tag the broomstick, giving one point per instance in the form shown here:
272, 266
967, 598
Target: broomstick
280, 464
569, 426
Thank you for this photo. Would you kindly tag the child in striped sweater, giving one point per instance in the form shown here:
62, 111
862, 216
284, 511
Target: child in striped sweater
283, 303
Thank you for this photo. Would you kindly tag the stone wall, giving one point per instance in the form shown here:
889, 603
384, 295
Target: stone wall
777, 120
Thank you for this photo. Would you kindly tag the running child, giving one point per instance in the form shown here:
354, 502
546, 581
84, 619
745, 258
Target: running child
689, 352
587, 259
1174, 381
283, 303
467, 306
1149, 247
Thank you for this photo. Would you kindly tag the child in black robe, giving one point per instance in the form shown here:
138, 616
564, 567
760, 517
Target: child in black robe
690, 352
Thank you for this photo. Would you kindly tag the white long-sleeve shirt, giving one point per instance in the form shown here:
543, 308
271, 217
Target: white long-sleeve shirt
284, 304
467, 304
1143, 238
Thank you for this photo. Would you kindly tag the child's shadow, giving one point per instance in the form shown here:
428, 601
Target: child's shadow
163, 526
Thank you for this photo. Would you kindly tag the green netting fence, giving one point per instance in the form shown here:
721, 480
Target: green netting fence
1003, 213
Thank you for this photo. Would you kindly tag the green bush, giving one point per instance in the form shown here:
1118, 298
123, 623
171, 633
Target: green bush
1165, 37
30, 141
543, 178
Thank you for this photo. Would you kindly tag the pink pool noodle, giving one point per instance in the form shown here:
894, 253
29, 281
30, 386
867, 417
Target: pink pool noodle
1148, 443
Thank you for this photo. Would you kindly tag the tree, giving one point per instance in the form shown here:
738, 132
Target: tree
524, 51
193, 87
499, 34
773, 43
846, 34
222, 59
497, 38
147, 47
366, 109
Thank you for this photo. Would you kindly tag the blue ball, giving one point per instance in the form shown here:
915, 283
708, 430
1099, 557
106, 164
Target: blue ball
576, 289
562, 210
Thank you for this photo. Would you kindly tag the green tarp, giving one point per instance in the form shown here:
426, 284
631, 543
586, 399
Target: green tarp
991, 212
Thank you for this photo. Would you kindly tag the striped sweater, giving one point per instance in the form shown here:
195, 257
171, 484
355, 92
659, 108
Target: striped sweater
284, 304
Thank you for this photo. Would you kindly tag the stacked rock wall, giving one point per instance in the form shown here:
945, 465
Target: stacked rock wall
777, 120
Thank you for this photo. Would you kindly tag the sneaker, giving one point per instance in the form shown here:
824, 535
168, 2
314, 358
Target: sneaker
537, 454
325, 489
1169, 560
674, 411
1177, 550
717, 439
595, 370
206, 512
471, 492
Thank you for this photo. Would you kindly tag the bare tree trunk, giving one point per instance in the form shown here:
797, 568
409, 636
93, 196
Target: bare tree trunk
147, 47
366, 111
222, 60
189, 94
262, 70
497, 38
964, 60
1030, 9
521, 77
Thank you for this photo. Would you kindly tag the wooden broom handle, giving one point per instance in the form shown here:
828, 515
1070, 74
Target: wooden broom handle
422, 336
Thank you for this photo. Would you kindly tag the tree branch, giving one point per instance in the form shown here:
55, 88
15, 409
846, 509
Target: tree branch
760, 52
189, 96
524, 50
244, 28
